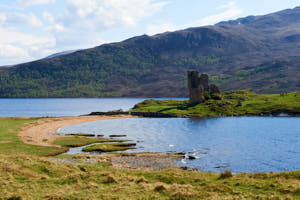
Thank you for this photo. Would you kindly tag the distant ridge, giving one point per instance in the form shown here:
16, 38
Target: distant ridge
261, 53
61, 53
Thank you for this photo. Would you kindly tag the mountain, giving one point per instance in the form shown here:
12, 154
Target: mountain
261, 53
61, 53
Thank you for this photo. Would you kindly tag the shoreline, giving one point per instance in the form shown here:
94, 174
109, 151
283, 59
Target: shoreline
170, 115
46, 128
44, 131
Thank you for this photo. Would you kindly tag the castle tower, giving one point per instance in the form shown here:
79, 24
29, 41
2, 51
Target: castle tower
198, 85
195, 89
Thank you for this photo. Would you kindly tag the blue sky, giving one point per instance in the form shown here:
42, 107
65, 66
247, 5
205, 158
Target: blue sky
33, 29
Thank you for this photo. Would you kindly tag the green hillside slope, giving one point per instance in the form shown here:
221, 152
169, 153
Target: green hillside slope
249, 53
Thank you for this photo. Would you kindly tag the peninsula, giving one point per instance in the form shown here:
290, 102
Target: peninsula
207, 101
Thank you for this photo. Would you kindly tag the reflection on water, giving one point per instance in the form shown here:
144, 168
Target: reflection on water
241, 144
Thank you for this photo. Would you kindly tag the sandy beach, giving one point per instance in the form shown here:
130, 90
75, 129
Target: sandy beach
43, 131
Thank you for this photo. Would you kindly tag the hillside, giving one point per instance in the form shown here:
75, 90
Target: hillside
260, 53
61, 53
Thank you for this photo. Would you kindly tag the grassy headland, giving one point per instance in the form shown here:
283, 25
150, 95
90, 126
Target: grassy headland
232, 103
10, 143
26, 173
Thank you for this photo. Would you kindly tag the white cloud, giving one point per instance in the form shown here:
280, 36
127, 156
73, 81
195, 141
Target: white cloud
232, 11
20, 18
84, 20
56, 28
36, 2
79, 26
10, 51
11, 36
2, 18
48, 17
17, 47
93, 14
153, 29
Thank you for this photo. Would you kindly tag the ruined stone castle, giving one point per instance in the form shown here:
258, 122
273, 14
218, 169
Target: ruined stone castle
199, 87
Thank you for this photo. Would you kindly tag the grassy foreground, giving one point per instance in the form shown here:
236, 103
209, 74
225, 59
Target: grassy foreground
232, 103
26, 173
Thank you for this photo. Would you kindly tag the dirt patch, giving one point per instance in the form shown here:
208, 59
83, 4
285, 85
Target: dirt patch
43, 131
11, 130
5, 142
149, 161
145, 161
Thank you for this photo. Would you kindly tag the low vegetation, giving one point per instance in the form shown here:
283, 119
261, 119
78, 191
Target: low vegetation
76, 141
82, 134
232, 103
27, 174
117, 135
109, 147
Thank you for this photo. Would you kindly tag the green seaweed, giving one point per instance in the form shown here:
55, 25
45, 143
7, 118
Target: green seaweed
109, 147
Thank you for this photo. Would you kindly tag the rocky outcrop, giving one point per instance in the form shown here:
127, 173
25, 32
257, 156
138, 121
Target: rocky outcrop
199, 88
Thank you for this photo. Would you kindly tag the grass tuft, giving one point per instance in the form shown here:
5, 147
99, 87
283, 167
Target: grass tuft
15, 198
110, 179
160, 187
142, 180
225, 174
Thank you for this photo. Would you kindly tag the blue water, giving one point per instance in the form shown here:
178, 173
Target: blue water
63, 107
240, 144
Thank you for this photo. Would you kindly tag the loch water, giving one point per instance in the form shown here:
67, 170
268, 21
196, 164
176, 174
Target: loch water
239, 144
59, 107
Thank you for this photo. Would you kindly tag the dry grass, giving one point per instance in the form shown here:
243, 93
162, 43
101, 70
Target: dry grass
32, 177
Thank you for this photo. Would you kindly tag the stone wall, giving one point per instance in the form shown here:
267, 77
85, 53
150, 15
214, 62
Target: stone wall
199, 87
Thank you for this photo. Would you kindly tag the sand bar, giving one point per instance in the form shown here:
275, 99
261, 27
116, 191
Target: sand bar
43, 131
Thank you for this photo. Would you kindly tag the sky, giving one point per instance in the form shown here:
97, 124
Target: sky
34, 29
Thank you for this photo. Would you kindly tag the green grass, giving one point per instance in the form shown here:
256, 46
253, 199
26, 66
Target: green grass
232, 103
11, 144
76, 141
32, 177
109, 147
